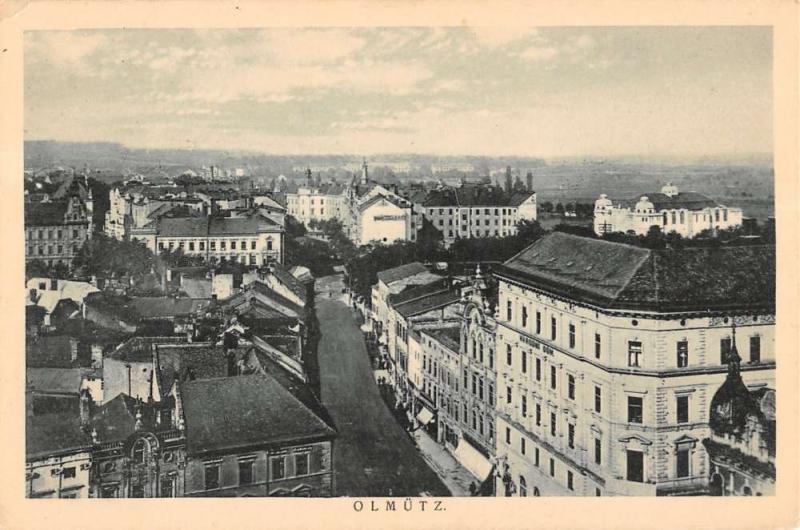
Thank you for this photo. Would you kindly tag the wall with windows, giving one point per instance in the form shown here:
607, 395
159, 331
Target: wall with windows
63, 476
619, 400
250, 249
294, 471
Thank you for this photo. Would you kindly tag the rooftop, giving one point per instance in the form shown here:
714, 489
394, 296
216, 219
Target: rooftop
616, 275
392, 275
449, 336
473, 195
246, 411
56, 433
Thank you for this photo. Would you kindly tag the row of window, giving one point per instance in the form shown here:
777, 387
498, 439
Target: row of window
476, 211
52, 234
277, 466
201, 245
49, 250
634, 346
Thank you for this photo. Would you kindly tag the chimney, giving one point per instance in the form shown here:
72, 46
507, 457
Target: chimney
230, 357
529, 181
139, 423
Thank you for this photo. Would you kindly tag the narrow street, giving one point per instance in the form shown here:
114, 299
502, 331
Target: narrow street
373, 455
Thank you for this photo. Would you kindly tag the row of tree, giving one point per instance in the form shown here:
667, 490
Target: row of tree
580, 209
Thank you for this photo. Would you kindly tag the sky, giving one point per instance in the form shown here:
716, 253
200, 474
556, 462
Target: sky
546, 92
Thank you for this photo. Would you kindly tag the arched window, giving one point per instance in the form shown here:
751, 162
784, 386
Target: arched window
535, 491
747, 491
523, 487
141, 448
716, 486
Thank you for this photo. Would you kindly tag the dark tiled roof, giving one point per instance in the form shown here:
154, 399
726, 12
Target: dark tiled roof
472, 196
688, 200
183, 226
246, 411
139, 349
53, 434
55, 351
616, 275
164, 307
115, 419
45, 213
450, 336
55, 380
414, 292
423, 305
392, 275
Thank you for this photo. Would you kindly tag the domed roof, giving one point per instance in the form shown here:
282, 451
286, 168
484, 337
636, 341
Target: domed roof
733, 405
603, 201
644, 204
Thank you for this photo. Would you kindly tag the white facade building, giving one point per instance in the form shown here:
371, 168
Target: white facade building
686, 213
608, 356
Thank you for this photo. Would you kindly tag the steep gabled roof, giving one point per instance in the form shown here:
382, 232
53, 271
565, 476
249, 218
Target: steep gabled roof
616, 275
54, 434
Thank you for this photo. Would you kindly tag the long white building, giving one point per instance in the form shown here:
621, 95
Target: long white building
608, 356
686, 213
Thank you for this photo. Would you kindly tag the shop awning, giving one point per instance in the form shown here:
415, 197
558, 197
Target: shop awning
473, 460
425, 416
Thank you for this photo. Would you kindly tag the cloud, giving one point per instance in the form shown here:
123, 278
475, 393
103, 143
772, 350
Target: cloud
63, 48
495, 36
290, 46
539, 53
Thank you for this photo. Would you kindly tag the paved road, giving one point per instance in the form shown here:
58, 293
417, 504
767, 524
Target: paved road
373, 455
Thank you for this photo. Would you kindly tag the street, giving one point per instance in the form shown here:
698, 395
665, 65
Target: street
373, 455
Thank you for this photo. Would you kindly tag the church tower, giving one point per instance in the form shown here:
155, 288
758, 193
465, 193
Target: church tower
364, 173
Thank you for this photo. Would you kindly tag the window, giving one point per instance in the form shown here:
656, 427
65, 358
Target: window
509, 313
191, 245
523, 487
474, 384
538, 369
570, 484
571, 435
724, 350
524, 316
755, 349
635, 465
480, 353
572, 335
536, 457
597, 492
278, 465
491, 357
634, 409
212, 477
245, 472
552, 424
490, 399
553, 333
682, 408
552, 467
597, 345
598, 399
524, 406
538, 415
508, 436
223, 245
252, 245
682, 461
233, 245
683, 353
524, 362
508, 394
202, 245
634, 353
571, 386
509, 357
538, 323
138, 451
213, 246
522, 445
480, 389
553, 377
68, 472
301, 464
269, 244
598, 451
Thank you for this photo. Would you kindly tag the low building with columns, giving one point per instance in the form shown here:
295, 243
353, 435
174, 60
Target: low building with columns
609, 356
686, 213
252, 240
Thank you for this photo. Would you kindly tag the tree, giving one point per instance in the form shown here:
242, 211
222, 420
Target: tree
559, 209
294, 228
105, 256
